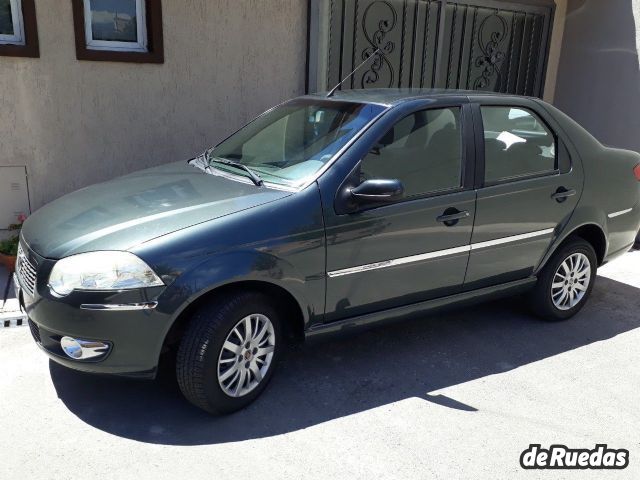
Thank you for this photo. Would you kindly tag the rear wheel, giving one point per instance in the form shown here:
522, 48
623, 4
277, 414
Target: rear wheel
227, 354
565, 283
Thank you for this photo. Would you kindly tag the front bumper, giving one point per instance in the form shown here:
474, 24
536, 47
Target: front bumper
135, 335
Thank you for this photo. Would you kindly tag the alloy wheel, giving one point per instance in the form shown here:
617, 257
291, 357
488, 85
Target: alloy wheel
246, 355
571, 281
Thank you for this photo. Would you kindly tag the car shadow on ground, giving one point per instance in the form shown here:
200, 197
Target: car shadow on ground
323, 381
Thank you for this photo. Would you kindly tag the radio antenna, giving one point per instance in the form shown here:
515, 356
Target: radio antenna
333, 90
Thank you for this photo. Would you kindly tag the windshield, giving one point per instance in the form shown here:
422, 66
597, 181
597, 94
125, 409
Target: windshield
293, 141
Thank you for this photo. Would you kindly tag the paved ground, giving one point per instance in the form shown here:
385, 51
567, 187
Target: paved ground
454, 396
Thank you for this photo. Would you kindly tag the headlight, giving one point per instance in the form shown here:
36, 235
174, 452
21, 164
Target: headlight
101, 271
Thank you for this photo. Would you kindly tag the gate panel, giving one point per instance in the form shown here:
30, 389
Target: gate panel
405, 32
476, 45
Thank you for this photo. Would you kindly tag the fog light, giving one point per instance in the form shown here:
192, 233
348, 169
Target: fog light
79, 349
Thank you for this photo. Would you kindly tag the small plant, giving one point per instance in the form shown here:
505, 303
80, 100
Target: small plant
9, 246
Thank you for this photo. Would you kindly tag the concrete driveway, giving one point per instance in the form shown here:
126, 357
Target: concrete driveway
452, 396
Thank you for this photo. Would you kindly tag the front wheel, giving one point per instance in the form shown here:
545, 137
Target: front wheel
565, 283
227, 355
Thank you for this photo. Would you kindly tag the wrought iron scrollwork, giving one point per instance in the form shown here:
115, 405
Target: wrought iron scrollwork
378, 40
498, 46
490, 39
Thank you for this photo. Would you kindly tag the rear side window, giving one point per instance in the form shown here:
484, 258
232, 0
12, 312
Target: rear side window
423, 151
516, 144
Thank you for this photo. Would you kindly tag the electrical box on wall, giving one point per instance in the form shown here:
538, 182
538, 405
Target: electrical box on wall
14, 195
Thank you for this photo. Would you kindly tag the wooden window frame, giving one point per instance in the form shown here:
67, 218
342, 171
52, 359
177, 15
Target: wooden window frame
28, 46
100, 51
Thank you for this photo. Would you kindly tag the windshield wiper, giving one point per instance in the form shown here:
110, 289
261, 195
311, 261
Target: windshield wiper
225, 161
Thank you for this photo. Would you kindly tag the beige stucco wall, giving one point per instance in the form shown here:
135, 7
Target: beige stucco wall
73, 122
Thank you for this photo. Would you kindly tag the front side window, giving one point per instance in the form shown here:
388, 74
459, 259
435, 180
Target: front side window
517, 144
115, 25
11, 23
290, 143
423, 151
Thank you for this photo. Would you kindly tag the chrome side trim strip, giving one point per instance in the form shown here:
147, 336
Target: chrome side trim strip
399, 261
119, 306
512, 238
621, 212
437, 253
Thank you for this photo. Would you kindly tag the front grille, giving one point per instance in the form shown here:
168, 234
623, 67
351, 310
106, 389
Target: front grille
26, 272
35, 331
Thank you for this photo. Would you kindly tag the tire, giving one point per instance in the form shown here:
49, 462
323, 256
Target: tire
204, 362
542, 296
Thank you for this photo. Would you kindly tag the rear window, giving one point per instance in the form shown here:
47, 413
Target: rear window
516, 144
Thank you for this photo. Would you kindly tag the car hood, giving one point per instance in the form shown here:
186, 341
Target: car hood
122, 213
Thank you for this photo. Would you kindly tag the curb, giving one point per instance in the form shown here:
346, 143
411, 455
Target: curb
12, 319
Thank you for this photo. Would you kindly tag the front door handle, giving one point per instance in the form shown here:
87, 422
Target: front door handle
562, 194
451, 216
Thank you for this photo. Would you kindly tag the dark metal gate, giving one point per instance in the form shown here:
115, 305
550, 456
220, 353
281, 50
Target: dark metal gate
471, 44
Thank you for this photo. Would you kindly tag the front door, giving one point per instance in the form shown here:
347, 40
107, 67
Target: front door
530, 185
415, 248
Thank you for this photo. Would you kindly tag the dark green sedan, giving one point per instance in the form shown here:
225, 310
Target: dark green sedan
325, 214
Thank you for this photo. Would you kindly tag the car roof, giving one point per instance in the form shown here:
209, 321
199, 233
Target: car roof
394, 96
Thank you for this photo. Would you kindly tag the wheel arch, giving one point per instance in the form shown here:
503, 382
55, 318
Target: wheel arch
284, 300
590, 232
593, 234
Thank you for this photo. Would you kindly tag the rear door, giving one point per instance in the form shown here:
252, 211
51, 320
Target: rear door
529, 185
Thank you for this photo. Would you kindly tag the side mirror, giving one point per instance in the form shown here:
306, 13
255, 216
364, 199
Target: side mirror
377, 191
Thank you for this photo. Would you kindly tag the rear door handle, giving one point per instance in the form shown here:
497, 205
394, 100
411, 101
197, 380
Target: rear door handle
562, 194
451, 216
